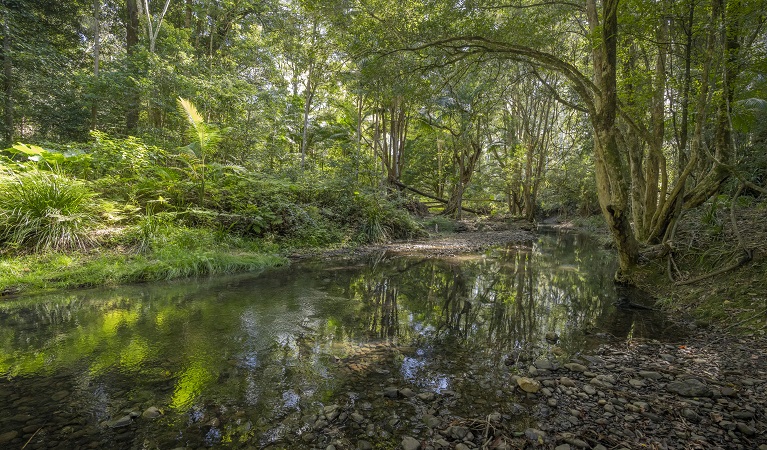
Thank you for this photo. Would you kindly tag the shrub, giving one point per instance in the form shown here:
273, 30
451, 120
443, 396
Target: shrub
380, 220
44, 210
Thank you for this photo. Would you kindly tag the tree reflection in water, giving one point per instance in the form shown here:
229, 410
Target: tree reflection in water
270, 348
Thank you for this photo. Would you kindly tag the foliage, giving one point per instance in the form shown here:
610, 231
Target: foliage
206, 256
47, 211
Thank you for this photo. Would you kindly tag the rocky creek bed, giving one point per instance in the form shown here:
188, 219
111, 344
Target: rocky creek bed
705, 393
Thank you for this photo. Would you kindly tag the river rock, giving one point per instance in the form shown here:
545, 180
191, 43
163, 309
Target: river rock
8, 436
690, 415
151, 413
391, 392
743, 415
364, 445
575, 367
745, 429
528, 385
407, 392
458, 432
462, 446
58, 396
410, 443
426, 396
691, 387
123, 421
577, 442
537, 436
431, 421
564, 381
650, 374
543, 364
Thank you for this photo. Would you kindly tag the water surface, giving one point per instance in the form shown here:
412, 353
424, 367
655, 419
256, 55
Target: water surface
247, 361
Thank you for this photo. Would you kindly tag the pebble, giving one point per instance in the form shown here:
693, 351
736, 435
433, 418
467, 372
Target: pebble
528, 384
577, 442
690, 387
58, 396
650, 374
391, 392
745, 429
123, 421
544, 364
431, 421
151, 413
410, 443
690, 415
407, 392
8, 436
575, 367
535, 435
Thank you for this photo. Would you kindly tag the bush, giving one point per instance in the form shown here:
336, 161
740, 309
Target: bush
45, 211
380, 220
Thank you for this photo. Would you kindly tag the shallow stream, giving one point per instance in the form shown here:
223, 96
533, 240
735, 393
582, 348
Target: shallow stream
254, 361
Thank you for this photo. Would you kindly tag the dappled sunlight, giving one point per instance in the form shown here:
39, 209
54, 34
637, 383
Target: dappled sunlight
271, 347
190, 384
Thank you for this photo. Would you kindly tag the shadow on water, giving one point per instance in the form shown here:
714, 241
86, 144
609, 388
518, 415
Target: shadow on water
245, 360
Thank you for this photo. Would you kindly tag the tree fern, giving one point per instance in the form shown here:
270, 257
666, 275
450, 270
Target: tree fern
204, 137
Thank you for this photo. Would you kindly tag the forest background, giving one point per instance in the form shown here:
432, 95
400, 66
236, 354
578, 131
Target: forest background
153, 139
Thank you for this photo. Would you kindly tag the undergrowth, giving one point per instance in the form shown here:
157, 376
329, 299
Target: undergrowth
118, 210
184, 253
706, 241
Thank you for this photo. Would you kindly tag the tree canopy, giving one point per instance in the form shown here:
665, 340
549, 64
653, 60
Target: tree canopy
639, 109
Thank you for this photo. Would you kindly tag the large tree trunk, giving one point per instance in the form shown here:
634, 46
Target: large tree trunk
8, 124
96, 61
712, 180
390, 130
131, 40
612, 186
188, 14
466, 157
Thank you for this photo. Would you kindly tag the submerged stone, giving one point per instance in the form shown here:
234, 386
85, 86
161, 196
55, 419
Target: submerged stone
528, 385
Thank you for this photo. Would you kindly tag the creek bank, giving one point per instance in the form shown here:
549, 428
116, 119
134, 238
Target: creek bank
703, 393
468, 238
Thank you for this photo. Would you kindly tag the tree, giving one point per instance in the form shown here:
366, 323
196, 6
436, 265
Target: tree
131, 42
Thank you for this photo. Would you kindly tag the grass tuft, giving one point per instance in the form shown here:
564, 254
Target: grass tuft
46, 211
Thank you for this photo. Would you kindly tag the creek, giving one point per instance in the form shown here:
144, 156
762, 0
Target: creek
321, 352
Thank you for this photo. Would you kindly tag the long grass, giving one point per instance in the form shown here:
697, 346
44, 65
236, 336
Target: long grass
46, 211
187, 253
